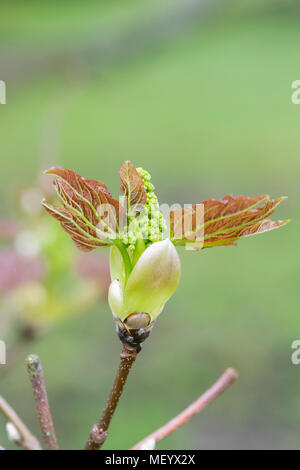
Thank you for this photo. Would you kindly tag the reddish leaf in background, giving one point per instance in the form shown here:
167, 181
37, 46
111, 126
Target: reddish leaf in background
224, 221
90, 215
96, 268
132, 184
16, 270
9, 228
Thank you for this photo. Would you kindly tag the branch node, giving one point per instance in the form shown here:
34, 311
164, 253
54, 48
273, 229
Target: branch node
98, 435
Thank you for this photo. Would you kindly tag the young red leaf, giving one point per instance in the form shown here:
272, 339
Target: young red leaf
83, 237
132, 184
223, 222
90, 215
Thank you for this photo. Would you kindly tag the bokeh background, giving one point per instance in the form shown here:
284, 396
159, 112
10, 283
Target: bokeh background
199, 93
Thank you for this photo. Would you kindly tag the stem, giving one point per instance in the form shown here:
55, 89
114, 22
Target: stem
36, 376
126, 259
227, 379
27, 440
139, 249
99, 431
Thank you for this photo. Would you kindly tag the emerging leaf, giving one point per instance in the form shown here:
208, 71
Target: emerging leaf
223, 222
153, 280
90, 215
132, 184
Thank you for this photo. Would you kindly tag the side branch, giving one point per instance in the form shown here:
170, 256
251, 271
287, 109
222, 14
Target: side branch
24, 438
227, 379
36, 376
99, 431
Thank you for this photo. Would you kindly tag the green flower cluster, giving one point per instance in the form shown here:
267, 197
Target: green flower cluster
149, 225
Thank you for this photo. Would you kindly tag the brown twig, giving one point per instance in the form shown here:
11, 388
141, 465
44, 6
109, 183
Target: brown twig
27, 440
35, 372
227, 379
99, 431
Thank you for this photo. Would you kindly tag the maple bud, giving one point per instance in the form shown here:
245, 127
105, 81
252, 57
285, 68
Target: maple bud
153, 280
145, 268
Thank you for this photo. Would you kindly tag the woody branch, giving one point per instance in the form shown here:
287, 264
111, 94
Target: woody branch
227, 379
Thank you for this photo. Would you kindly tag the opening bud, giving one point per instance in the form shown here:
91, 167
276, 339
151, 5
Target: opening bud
137, 302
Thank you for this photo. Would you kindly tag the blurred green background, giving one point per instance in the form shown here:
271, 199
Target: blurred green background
199, 93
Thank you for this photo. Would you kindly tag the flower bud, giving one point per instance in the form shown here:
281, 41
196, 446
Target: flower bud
115, 298
152, 281
117, 269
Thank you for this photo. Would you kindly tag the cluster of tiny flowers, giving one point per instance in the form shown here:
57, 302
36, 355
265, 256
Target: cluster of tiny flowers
150, 224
